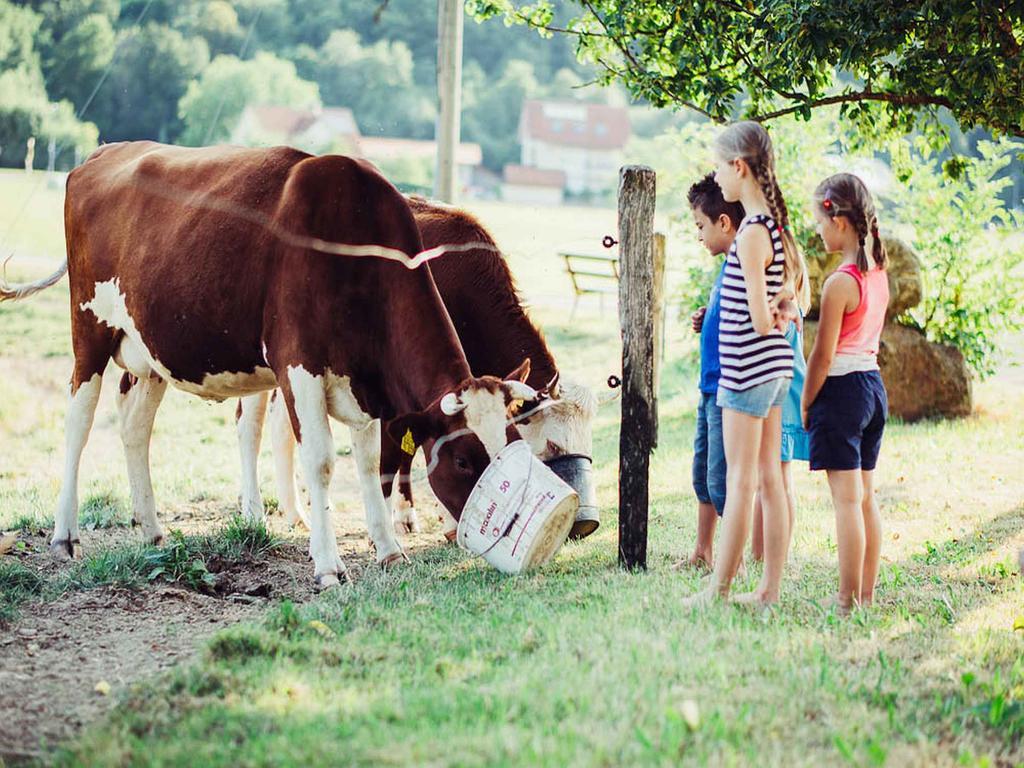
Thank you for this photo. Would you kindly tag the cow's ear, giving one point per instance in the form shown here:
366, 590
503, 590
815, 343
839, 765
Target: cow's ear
522, 373
411, 431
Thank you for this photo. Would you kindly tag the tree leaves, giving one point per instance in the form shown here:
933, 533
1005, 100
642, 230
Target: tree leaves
895, 62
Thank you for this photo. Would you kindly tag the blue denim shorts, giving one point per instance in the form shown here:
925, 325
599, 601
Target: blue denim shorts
709, 454
758, 400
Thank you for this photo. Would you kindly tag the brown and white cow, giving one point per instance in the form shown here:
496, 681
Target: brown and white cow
480, 294
206, 268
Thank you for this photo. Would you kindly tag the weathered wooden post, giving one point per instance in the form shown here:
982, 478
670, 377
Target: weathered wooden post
638, 431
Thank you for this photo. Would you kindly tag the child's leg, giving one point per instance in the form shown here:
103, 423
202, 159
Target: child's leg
847, 497
872, 538
774, 511
757, 533
706, 517
742, 436
703, 552
787, 483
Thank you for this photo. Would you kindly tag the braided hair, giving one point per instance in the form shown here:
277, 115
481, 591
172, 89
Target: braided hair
844, 194
750, 142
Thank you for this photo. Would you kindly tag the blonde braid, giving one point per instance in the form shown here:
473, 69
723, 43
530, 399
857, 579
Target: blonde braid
795, 268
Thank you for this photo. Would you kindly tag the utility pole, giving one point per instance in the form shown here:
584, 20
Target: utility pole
449, 94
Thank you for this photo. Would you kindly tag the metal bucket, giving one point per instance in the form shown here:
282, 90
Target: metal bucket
519, 512
577, 470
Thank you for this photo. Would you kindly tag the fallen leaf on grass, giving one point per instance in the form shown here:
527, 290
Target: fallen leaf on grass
691, 714
102, 688
320, 628
1018, 624
7, 542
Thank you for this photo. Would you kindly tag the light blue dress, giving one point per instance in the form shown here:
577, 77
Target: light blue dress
795, 443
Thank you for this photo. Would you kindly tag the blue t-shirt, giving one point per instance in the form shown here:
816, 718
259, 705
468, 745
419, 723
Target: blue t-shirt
791, 408
710, 367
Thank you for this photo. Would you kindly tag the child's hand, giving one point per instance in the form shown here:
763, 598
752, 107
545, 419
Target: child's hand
805, 417
786, 312
697, 318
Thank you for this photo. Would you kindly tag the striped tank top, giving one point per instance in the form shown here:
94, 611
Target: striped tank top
747, 357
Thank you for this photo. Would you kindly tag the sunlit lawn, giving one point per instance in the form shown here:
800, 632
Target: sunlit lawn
446, 662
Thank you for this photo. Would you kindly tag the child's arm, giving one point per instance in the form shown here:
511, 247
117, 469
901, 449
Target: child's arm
839, 293
754, 248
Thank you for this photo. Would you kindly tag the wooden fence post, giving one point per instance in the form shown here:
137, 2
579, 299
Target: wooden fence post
638, 431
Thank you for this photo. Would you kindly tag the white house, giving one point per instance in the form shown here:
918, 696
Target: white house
532, 186
331, 129
584, 141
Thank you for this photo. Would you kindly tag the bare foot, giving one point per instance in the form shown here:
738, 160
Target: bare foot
698, 561
756, 600
835, 603
702, 600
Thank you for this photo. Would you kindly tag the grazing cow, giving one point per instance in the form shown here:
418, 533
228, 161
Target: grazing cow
212, 269
480, 294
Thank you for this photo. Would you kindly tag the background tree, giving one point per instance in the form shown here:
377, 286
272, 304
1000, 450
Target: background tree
150, 74
890, 65
210, 108
375, 82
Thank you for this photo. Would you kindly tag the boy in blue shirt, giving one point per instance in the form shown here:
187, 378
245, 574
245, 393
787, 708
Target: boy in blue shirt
717, 222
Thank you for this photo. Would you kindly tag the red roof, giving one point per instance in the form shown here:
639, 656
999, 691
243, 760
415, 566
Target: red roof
575, 124
534, 177
288, 122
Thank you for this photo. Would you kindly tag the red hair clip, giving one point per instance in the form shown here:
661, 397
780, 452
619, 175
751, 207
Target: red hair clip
826, 204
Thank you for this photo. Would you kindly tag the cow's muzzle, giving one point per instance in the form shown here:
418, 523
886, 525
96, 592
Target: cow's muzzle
577, 470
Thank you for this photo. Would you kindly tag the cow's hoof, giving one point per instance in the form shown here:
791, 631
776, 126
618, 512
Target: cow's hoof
66, 549
294, 520
388, 562
403, 527
325, 581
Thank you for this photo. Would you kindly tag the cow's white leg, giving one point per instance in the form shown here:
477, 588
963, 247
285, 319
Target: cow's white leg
77, 424
282, 440
252, 411
406, 519
316, 454
366, 450
137, 407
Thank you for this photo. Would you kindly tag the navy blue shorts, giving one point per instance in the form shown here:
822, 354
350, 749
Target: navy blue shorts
846, 421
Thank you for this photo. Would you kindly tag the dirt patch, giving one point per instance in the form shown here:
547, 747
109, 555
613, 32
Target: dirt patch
54, 655
52, 660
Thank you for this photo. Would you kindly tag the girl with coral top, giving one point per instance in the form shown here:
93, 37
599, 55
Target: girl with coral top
844, 401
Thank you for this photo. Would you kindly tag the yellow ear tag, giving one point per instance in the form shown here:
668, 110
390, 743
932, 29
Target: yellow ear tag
408, 443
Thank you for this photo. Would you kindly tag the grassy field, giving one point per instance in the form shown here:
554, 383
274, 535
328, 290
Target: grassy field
445, 662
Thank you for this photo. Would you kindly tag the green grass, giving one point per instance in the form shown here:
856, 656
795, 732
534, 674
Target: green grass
18, 585
104, 510
183, 560
445, 662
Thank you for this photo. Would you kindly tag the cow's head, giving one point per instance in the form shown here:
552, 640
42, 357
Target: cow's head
560, 430
462, 431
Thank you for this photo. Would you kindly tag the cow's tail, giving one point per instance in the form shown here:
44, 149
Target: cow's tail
15, 291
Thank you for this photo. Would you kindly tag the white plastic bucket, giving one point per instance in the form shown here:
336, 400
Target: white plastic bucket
519, 513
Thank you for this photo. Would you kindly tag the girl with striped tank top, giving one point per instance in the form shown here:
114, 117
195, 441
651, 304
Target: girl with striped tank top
844, 402
764, 266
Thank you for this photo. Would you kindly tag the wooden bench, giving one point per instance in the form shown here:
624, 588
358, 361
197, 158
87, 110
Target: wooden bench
591, 274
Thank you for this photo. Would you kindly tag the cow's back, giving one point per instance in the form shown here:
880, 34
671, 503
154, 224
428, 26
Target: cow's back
480, 293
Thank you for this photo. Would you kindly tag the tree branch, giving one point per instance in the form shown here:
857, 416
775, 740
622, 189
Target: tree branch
899, 99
